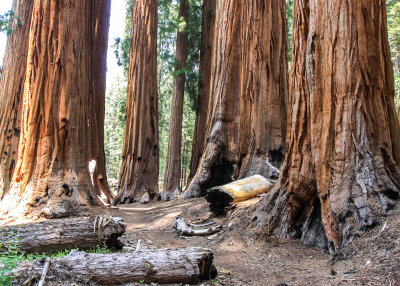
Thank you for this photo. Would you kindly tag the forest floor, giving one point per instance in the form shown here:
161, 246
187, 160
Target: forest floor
244, 256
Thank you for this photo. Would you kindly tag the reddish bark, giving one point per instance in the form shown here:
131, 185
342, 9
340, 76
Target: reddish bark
264, 89
207, 37
172, 173
51, 175
219, 154
342, 166
100, 24
11, 91
138, 179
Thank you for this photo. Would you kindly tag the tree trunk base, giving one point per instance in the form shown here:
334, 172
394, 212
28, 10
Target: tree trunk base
160, 266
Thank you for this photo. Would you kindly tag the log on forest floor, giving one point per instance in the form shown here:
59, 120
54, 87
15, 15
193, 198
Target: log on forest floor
183, 229
161, 266
222, 197
58, 234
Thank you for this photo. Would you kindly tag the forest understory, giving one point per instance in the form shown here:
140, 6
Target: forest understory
244, 255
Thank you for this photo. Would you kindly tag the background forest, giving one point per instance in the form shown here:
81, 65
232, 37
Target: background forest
168, 25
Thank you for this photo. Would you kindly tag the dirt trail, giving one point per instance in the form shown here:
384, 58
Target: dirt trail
244, 257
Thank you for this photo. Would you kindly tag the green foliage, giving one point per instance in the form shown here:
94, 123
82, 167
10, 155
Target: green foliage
114, 127
169, 23
393, 14
289, 18
10, 259
7, 20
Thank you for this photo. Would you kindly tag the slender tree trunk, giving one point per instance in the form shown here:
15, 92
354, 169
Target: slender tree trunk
51, 174
207, 37
173, 162
139, 171
342, 167
11, 91
99, 33
219, 154
264, 88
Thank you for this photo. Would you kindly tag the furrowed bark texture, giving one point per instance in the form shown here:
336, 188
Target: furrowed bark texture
162, 266
342, 170
58, 234
172, 173
139, 171
264, 89
52, 167
99, 33
207, 37
219, 154
11, 91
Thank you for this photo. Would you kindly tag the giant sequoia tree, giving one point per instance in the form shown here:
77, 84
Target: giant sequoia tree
100, 21
51, 174
246, 121
172, 174
341, 170
264, 89
207, 37
11, 91
139, 171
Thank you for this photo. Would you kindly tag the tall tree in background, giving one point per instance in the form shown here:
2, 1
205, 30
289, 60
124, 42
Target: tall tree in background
139, 171
172, 174
99, 37
11, 91
219, 155
342, 165
264, 88
51, 175
207, 37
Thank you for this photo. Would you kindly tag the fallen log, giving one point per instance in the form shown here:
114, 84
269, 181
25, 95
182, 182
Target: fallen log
160, 266
58, 234
222, 197
183, 229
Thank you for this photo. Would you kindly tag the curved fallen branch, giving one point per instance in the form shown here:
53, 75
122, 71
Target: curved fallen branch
183, 229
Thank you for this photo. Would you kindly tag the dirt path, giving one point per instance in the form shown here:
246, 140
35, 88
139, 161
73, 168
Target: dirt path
246, 258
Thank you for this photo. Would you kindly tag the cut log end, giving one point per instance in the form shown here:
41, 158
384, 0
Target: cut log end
221, 198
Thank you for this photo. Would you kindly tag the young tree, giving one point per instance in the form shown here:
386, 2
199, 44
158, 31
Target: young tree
51, 175
139, 171
11, 91
342, 164
99, 38
264, 89
219, 155
172, 174
207, 36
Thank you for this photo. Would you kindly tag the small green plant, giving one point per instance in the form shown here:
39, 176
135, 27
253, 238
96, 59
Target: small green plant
9, 259
12, 255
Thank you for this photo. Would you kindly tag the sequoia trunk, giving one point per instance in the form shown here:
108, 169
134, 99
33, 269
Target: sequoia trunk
99, 33
172, 174
11, 91
264, 88
139, 171
52, 168
219, 153
341, 170
207, 37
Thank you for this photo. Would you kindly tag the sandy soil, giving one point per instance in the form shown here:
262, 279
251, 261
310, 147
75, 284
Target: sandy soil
244, 256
